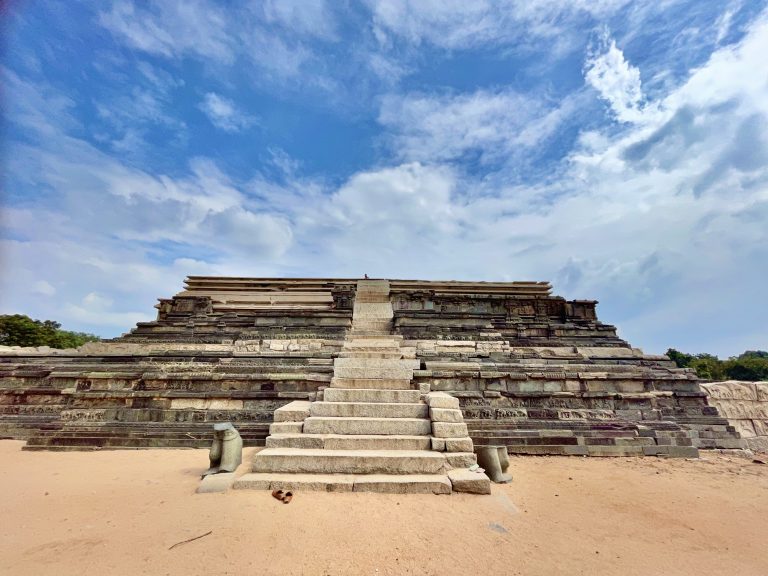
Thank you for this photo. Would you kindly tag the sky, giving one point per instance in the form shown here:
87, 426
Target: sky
618, 149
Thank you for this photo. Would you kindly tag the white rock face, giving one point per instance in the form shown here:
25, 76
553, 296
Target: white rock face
745, 404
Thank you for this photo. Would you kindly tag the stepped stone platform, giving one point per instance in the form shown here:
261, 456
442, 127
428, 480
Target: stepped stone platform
526, 369
381, 438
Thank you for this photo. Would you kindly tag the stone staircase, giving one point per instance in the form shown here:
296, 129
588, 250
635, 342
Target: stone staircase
369, 431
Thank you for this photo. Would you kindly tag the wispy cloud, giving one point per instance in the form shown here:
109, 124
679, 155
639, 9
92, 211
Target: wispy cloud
489, 125
223, 113
617, 81
172, 28
455, 24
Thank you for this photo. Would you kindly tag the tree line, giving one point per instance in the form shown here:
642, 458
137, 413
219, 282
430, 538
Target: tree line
752, 365
21, 330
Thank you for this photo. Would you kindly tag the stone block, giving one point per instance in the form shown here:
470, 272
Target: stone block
375, 442
615, 450
294, 441
401, 426
731, 390
288, 460
296, 482
466, 481
438, 444
461, 459
656, 450
216, 483
459, 445
449, 430
758, 443
286, 427
369, 410
445, 415
295, 411
403, 484
730, 443
683, 452
442, 400
368, 395
205, 404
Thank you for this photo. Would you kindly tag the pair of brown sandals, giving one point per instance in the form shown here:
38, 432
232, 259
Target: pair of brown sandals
284, 497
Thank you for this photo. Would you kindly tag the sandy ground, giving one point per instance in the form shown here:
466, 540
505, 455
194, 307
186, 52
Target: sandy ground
120, 512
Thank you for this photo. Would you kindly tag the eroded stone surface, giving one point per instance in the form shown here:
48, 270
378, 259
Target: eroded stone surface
468, 481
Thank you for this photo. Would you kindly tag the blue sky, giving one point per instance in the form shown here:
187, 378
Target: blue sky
617, 149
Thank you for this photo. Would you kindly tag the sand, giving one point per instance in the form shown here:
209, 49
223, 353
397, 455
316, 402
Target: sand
119, 512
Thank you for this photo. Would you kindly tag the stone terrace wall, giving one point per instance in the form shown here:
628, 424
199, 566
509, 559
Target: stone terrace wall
543, 375
745, 405
125, 395
532, 371
223, 349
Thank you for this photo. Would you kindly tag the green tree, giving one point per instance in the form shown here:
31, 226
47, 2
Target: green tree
708, 367
21, 330
680, 358
752, 365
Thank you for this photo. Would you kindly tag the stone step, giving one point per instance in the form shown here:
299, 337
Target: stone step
368, 333
286, 427
369, 349
393, 354
366, 426
294, 411
382, 337
371, 314
375, 372
372, 383
381, 342
374, 363
372, 323
369, 395
373, 310
314, 461
369, 410
463, 480
348, 442
391, 484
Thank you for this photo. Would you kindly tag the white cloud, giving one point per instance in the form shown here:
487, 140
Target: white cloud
616, 80
43, 288
274, 40
490, 124
172, 28
307, 17
457, 24
223, 113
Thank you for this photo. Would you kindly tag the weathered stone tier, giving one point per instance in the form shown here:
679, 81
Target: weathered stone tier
531, 370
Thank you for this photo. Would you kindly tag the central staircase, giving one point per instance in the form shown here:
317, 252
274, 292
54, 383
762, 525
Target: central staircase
370, 431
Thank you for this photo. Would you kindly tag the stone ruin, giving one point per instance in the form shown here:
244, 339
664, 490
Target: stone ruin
745, 404
323, 365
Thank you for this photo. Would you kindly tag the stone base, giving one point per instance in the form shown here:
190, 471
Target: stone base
216, 483
382, 483
463, 480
